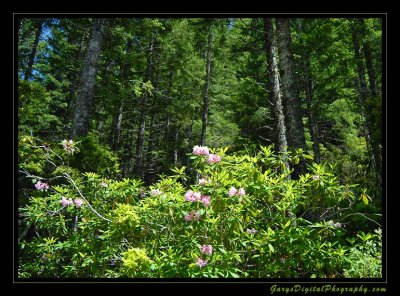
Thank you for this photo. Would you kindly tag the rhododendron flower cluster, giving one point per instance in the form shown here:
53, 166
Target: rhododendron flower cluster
337, 224
41, 186
213, 158
192, 196
155, 192
207, 249
193, 216
68, 202
202, 181
196, 196
233, 191
78, 202
206, 200
69, 146
201, 263
200, 150
251, 231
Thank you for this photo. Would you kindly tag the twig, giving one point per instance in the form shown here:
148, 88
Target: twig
68, 177
363, 216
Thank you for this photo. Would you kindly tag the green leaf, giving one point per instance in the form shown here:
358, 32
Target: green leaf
271, 248
313, 276
364, 198
287, 224
222, 250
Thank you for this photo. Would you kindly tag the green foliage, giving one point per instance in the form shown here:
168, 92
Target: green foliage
94, 157
257, 231
135, 262
365, 259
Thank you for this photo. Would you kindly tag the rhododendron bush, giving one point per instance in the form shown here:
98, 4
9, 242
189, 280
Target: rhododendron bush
240, 216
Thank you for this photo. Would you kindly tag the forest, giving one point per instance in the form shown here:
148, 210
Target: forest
199, 147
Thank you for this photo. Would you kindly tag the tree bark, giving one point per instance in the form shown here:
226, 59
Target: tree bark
363, 95
310, 113
274, 87
206, 87
143, 113
81, 116
38, 26
176, 147
368, 61
117, 120
292, 104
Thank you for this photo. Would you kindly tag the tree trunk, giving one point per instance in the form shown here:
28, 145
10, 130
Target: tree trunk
148, 169
274, 87
207, 86
117, 120
81, 116
363, 95
32, 55
143, 113
176, 148
117, 128
292, 104
368, 61
310, 113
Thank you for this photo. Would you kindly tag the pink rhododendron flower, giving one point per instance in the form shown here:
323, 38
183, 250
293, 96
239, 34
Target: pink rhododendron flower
232, 191
69, 146
202, 182
241, 192
197, 216
251, 231
337, 224
189, 217
155, 192
213, 158
201, 263
192, 216
206, 200
78, 202
192, 196
207, 249
65, 202
41, 186
200, 150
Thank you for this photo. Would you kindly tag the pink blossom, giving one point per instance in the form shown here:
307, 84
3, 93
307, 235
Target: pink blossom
232, 191
251, 231
197, 216
200, 150
192, 216
241, 192
202, 182
213, 158
207, 249
337, 224
65, 202
78, 202
155, 192
206, 200
189, 217
69, 146
41, 186
192, 196
201, 263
